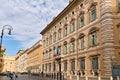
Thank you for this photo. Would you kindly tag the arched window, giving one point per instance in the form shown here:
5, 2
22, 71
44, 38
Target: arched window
81, 41
65, 47
72, 26
72, 45
93, 35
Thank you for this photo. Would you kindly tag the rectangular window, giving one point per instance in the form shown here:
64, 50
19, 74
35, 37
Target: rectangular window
118, 5
93, 39
59, 35
65, 31
81, 21
65, 49
81, 43
54, 66
65, 66
92, 14
72, 27
95, 63
73, 65
55, 37
72, 46
82, 64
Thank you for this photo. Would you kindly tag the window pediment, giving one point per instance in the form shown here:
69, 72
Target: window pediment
93, 30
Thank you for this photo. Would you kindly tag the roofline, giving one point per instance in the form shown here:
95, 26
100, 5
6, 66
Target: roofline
58, 16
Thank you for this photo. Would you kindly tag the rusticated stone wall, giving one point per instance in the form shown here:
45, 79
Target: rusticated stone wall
107, 36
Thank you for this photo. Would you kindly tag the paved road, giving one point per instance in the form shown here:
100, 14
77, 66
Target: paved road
23, 78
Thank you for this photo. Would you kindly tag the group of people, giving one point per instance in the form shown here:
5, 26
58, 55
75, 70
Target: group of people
11, 75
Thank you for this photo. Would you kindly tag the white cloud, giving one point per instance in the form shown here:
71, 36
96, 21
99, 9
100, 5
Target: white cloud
29, 17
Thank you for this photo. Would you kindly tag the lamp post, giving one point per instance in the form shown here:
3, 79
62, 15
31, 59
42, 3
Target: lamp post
9, 28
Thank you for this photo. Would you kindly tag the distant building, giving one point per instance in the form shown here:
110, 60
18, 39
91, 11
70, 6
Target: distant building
84, 38
2, 54
34, 58
9, 64
18, 62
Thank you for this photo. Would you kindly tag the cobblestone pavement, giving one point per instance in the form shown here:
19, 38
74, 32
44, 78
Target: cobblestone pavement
23, 78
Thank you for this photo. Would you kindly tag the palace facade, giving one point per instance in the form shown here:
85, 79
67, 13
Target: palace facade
87, 36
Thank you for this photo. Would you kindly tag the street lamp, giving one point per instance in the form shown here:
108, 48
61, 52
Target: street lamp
9, 28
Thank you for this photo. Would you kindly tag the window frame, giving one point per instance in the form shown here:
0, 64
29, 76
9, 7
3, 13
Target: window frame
95, 66
72, 26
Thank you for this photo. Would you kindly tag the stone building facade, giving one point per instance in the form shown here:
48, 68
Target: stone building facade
9, 64
34, 58
86, 36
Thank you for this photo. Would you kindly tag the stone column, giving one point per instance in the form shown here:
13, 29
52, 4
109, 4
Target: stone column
107, 36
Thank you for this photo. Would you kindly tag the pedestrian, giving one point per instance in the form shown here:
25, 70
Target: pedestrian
11, 76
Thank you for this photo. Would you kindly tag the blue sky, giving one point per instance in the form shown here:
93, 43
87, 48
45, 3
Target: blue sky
28, 18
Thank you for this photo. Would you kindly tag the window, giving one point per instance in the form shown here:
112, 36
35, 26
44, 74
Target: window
118, 5
49, 66
93, 41
65, 31
55, 37
92, 13
54, 66
72, 46
44, 43
59, 34
82, 64
73, 65
81, 41
50, 40
65, 65
95, 63
81, 19
72, 26
65, 48
46, 67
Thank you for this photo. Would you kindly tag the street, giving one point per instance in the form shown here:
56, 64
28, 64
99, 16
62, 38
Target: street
23, 77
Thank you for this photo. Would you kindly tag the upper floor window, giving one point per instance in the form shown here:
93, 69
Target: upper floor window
72, 45
65, 47
59, 34
81, 19
50, 40
82, 64
65, 31
54, 37
43, 43
93, 36
92, 13
81, 41
118, 5
118, 26
72, 26
95, 63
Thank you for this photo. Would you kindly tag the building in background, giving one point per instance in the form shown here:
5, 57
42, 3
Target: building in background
9, 64
18, 62
84, 38
34, 58
2, 55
